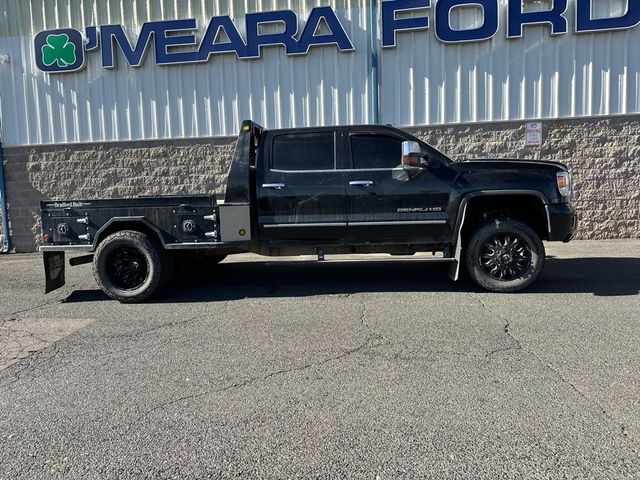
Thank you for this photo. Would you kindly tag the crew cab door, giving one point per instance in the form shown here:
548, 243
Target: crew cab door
301, 192
388, 204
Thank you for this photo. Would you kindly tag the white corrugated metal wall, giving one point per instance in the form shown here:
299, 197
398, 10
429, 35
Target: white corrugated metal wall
422, 81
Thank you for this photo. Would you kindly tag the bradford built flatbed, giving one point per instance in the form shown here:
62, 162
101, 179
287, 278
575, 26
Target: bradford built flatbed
333, 190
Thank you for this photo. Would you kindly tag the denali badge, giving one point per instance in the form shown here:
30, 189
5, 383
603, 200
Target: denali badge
420, 210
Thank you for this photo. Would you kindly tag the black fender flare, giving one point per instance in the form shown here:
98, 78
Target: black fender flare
456, 239
140, 220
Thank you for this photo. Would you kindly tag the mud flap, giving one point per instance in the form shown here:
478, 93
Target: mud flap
53, 271
454, 270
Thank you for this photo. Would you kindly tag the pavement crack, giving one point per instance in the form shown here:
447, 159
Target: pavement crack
162, 326
507, 331
399, 354
370, 342
59, 298
25, 366
252, 380
369, 328
564, 380
517, 345
155, 328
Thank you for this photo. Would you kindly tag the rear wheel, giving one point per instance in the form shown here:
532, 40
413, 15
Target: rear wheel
505, 256
130, 267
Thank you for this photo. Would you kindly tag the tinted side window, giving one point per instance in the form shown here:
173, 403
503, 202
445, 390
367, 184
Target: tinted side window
306, 151
376, 151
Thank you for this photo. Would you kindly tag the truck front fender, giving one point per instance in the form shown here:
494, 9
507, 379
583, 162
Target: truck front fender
457, 239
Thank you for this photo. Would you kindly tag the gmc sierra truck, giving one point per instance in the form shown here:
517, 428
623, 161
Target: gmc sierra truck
330, 190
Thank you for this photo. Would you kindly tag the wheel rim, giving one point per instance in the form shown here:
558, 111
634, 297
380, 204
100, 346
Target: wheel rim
127, 268
505, 257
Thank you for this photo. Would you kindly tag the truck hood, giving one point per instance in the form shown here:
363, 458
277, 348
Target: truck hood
507, 174
509, 164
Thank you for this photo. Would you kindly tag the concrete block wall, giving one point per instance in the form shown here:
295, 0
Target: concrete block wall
107, 170
604, 153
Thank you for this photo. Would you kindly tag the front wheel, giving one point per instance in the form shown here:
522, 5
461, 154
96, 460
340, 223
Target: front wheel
130, 267
504, 256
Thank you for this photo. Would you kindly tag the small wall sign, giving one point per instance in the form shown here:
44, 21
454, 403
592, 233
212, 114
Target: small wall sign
533, 134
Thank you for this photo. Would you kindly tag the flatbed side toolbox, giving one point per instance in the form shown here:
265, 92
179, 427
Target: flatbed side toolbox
70, 229
196, 224
54, 270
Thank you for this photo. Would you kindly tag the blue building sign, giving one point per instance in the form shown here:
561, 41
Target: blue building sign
177, 41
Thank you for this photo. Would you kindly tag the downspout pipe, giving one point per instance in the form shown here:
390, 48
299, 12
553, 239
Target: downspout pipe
6, 245
374, 74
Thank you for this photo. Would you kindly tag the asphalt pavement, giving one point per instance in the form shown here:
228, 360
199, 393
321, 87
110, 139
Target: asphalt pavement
367, 368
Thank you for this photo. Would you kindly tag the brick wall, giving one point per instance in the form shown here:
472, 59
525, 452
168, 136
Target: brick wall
604, 153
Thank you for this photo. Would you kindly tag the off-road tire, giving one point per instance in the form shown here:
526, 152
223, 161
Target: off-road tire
478, 256
152, 258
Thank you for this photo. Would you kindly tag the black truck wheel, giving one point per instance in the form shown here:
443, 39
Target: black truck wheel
504, 256
130, 267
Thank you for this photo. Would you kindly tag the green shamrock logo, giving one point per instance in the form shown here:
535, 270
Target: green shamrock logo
59, 50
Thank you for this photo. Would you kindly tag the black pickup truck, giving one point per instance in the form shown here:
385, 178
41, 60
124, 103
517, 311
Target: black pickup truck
335, 190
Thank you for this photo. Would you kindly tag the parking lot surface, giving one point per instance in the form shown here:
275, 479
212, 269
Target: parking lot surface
372, 368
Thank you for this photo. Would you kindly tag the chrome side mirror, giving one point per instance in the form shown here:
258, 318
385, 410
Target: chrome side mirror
412, 156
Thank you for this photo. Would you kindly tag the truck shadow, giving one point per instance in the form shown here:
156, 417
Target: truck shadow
234, 281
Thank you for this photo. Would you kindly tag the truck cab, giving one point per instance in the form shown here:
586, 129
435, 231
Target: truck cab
348, 186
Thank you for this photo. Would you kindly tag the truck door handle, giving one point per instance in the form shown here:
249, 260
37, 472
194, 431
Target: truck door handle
277, 186
361, 183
